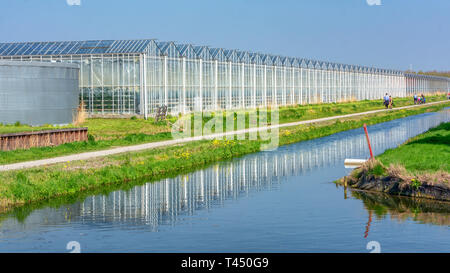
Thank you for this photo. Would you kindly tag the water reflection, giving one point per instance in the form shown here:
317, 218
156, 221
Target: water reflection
403, 208
167, 201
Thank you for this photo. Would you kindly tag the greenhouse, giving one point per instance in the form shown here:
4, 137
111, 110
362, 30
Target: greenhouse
118, 76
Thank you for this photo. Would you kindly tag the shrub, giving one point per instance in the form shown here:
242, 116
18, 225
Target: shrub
415, 184
91, 138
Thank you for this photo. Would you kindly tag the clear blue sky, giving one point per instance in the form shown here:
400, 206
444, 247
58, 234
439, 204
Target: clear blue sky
396, 34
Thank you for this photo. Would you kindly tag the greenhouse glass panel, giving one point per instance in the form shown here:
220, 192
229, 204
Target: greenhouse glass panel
129, 77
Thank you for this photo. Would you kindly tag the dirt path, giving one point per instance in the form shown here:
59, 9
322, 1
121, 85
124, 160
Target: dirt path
140, 147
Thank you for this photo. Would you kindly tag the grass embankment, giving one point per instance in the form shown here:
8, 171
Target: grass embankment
109, 133
418, 167
68, 179
428, 152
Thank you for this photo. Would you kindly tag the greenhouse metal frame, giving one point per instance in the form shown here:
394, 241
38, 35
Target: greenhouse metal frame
116, 76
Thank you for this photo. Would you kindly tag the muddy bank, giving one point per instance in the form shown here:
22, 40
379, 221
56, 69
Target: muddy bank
363, 179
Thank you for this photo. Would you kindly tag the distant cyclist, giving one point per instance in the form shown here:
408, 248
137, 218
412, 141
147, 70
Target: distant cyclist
415, 98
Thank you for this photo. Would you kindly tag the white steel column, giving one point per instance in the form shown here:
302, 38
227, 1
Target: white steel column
337, 83
333, 83
422, 85
166, 99
274, 86
91, 92
112, 79
292, 86
283, 94
200, 61
184, 85
144, 100
216, 84
254, 86
341, 85
103, 99
141, 84
242, 100
301, 86
358, 85
265, 86
344, 85
308, 94
329, 85
419, 84
322, 75
366, 86
315, 85
230, 83
361, 85
325, 86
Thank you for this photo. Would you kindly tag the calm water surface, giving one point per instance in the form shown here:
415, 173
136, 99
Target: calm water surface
280, 201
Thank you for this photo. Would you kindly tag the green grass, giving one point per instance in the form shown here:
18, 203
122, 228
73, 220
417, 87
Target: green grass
7, 157
18, 127
110, 133
104, 134
428, 152
71, 178
378, 170
290, 114
100, 128
315, 111
113, 129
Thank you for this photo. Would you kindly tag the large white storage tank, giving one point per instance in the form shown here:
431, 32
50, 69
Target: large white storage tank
37, 93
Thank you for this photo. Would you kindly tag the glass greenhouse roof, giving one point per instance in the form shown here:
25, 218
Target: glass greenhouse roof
74, 47
170, 49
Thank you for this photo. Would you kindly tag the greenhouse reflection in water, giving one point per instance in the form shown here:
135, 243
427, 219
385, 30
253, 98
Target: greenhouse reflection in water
162, 202
277, 201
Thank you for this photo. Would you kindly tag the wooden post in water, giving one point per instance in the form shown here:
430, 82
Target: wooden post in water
368, 141
345, 187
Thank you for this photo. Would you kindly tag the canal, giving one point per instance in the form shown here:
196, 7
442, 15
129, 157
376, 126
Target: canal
278, 201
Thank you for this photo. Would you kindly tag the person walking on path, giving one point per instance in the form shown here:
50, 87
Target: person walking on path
386, 100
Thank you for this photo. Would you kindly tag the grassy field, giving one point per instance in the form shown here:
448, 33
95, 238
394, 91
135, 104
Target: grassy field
100, 128
428, 152
19, 127
71, 178
112, 129
110, 133
103, 134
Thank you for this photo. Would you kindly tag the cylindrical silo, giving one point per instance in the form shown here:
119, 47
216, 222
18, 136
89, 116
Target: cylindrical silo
37, 93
